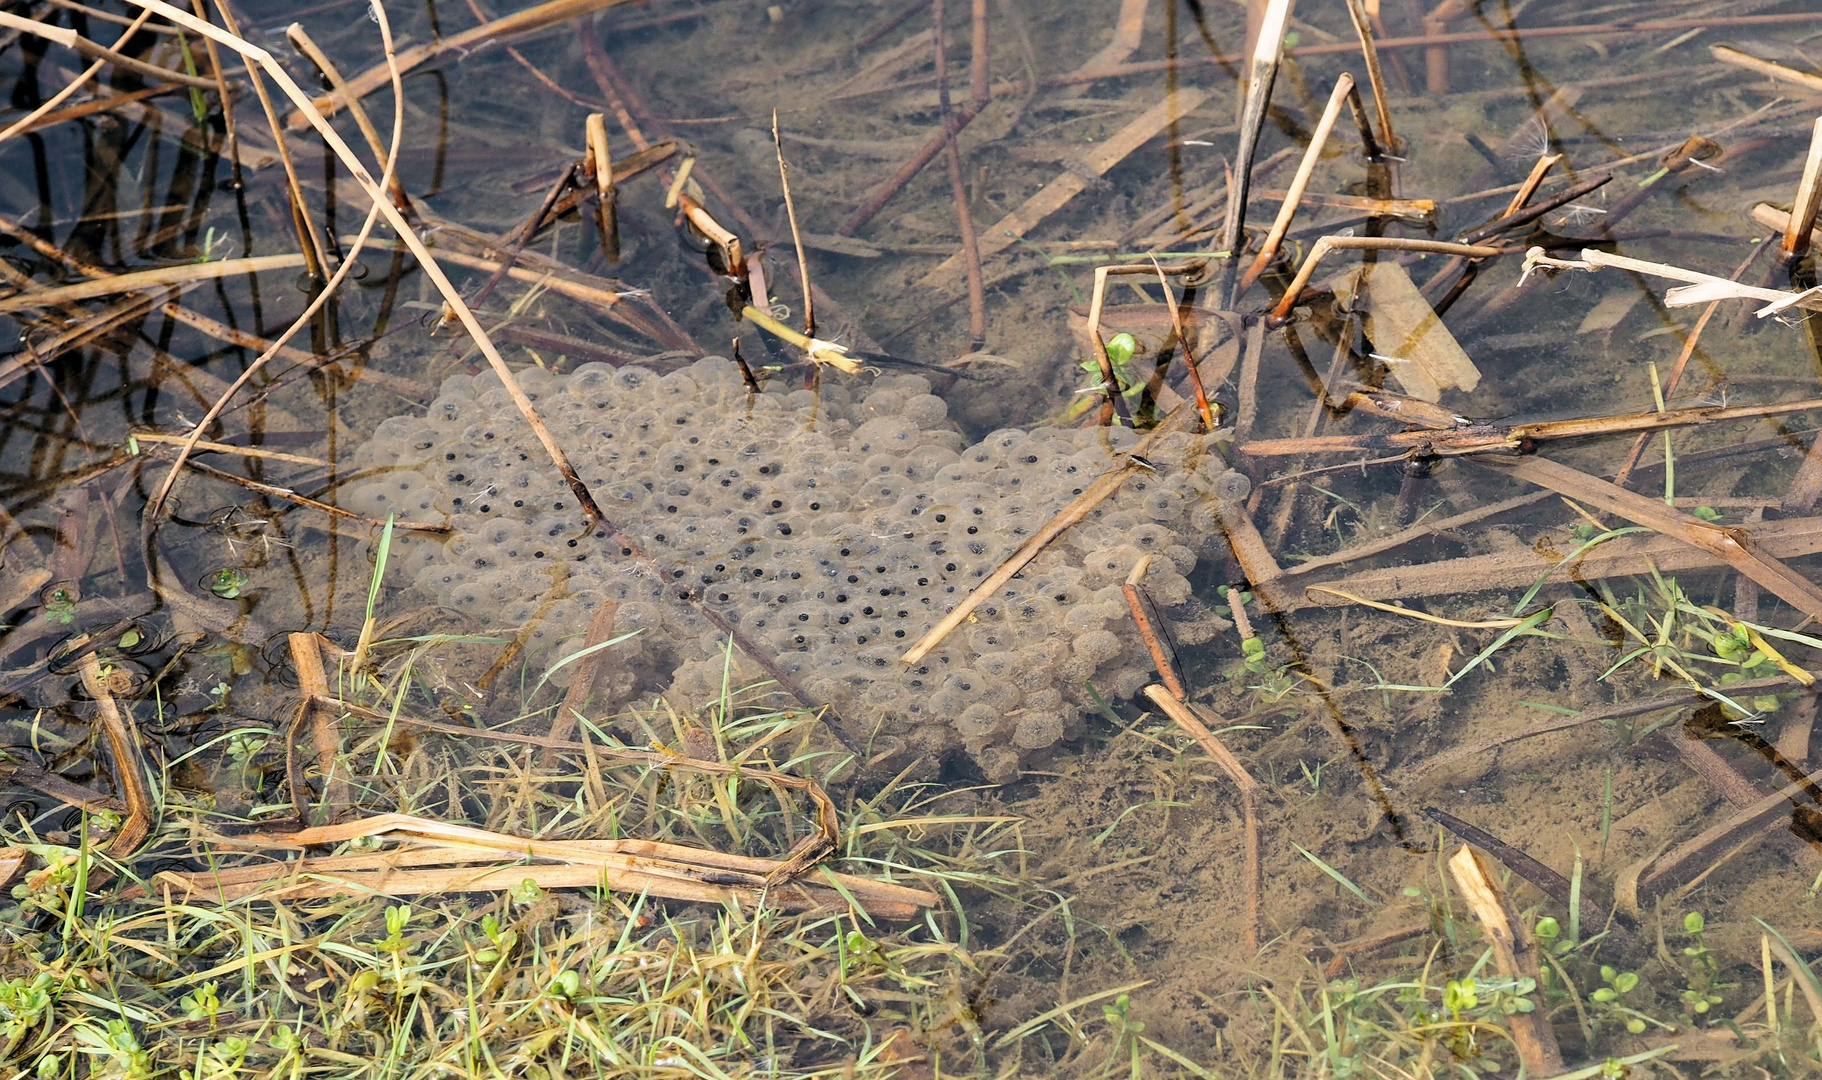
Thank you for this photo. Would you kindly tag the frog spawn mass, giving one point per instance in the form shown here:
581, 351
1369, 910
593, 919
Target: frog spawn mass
832, 529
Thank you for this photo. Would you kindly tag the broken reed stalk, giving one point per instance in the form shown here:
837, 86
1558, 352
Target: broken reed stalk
1808, 201
25, 122
1480, 438
1072, 512
1320, 250
222, 94
1539, 169
515, 241
320, 716
308, 241
129, 766
1112, 400
600, 160
1184, 716
531, 19
1514, 954
803, 259
302, 42
1312, 156
1262, 73
1767, 68
1363, 28
1184, 341
1154, 645
82, 46
383, 206
971, 248
1733, 545
142, 280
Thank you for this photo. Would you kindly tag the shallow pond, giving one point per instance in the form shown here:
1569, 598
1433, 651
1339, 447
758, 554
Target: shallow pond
1183, 796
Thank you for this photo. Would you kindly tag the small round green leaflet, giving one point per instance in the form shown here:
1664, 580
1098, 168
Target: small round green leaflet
1120, 349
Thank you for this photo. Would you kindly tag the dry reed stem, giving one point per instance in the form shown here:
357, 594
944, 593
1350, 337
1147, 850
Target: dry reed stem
1759, 817
1073, 511
528, 21
1184, 341
303, 43
287, 495
1767, 68
1072, 181
1539, 169
803, 261
1808, 200
325, 732
1306, 168
588, 669
668, 870
129, 766
1267, 51
156, 278
1184, 716
70, 39
226, 448
1160, 659
402, 227
25, 122
600, 159
1733, 545
575, 290
1480, 438
1282, 313
1363, 29
1514, 953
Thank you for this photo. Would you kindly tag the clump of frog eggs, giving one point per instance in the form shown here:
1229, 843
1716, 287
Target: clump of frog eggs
832, 529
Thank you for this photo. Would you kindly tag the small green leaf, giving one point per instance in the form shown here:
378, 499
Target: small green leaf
1120, 349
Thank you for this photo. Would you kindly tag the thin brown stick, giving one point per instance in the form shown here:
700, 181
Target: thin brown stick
25, 123
532, 19
1809, 199
1148, 633
1528, 188
1306, 168
70, 39
1479, 438
302, 42
156, 278
1767, 68
1514, 953
1363, 29
1203, 408
607, 197
308, 241
305, 501
325, 733
129, 766
226, 448
1282, 313
1267, 52
1184, 716
803, 261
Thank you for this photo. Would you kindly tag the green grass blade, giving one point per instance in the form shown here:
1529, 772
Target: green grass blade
1340, 878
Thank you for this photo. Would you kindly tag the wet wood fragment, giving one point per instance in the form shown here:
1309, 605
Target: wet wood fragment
1514, 954
1093, 163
